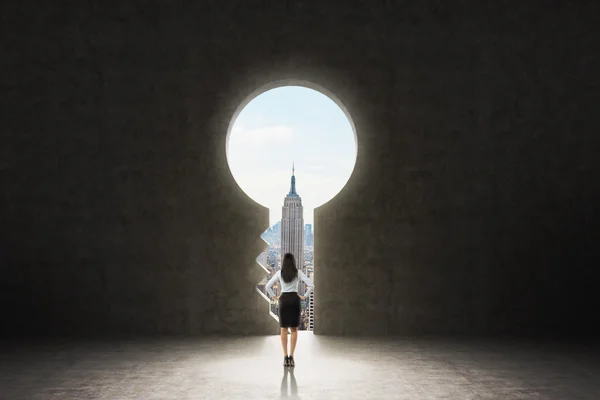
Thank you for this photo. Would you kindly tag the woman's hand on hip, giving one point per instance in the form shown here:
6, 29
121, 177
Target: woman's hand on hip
302, 297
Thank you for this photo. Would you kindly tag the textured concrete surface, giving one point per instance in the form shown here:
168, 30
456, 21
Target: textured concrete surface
472, 208
327, 368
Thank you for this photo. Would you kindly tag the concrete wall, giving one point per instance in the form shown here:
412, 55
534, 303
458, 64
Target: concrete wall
472, 208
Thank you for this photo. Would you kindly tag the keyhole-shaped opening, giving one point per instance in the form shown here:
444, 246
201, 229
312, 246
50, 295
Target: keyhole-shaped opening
291, 147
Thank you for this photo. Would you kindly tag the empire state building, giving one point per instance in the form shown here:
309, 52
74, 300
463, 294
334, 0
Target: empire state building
292, 225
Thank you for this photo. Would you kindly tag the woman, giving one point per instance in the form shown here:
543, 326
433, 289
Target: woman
289, 302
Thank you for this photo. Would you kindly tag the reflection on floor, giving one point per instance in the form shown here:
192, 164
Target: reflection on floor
326, 368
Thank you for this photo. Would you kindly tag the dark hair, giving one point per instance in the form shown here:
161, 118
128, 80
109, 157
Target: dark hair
289, 272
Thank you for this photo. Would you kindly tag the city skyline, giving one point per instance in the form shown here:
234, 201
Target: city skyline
289, 236
285, 126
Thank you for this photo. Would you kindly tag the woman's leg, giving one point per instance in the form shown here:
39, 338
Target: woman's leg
294, 340
284, 335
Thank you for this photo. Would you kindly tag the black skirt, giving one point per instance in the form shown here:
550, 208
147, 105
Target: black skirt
289, 310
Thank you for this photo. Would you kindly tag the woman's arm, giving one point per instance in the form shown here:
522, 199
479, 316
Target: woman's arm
271, 282
308, 282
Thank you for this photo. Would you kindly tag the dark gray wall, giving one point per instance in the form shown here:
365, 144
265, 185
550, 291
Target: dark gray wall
472, 208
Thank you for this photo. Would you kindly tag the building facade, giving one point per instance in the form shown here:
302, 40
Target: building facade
262, 259
308, 236
292, 225
311, 307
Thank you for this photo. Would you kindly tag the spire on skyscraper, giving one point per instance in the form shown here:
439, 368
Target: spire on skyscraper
293, 186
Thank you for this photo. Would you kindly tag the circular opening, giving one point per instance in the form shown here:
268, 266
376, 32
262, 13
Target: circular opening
286, 124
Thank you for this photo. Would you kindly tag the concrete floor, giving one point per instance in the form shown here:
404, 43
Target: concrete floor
327, 368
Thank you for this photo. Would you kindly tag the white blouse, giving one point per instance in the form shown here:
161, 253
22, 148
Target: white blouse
292, 286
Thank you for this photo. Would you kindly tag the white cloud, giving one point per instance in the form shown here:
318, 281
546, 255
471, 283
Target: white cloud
317, 168
276, 133
237, 129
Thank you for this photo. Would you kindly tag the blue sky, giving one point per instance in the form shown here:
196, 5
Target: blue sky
286, 125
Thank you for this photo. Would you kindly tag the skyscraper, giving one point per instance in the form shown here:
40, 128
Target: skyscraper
308, 235
292, 225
